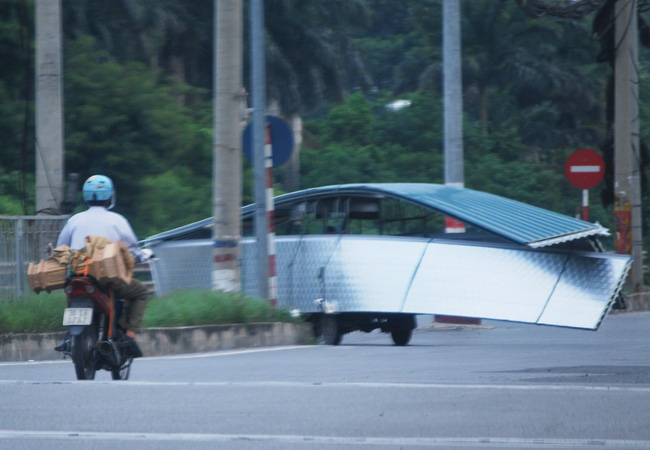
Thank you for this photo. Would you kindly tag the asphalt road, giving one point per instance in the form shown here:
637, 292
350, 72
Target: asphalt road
501, 385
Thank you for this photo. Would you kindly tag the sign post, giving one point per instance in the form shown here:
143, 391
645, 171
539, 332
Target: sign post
585, 168
278, 145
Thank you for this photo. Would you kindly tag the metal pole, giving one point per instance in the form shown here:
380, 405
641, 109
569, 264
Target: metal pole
270, 214
227, 184
258, 87
49, 106
19, 258
626, 138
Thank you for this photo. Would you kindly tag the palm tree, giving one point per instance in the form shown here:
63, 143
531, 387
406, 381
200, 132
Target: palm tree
311, 59
545, 65
310, 54
175, 36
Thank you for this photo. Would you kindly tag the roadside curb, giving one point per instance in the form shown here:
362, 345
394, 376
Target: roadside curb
207, 338
167, 341
449, 326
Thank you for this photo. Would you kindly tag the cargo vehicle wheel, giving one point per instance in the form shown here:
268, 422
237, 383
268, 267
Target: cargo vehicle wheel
401, 336
331, 329
83, 353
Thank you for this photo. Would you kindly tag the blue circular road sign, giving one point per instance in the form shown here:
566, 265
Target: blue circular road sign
282, 140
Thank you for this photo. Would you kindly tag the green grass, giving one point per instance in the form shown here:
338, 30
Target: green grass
36, 313
185, 308
44, 312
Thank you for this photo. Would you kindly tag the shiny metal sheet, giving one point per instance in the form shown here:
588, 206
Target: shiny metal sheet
485, 282
299, 261
372, 273
416, 275
585, 290
302, 263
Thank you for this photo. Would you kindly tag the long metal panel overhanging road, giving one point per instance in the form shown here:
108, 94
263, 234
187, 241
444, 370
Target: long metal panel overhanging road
521, 263
513, 220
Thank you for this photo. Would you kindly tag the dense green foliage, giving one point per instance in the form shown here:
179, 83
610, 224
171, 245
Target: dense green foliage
137, 84
126, 121
43, 313
406, 146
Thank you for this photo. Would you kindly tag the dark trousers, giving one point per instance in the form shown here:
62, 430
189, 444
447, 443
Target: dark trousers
135, 297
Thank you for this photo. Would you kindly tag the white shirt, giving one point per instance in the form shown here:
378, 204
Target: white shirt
98, 221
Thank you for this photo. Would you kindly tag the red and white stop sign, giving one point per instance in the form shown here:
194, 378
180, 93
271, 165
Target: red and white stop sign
585, 168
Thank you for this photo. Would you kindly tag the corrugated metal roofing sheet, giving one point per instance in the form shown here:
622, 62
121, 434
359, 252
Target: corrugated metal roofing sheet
513, 220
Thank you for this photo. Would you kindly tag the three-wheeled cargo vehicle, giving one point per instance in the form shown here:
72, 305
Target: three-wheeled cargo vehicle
367, 256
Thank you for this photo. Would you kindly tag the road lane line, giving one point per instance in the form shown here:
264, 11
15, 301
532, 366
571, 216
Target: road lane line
225, 353
329, 385
498, 442
32, 362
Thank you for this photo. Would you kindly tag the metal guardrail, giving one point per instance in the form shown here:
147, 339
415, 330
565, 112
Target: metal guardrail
143, 273
23, 240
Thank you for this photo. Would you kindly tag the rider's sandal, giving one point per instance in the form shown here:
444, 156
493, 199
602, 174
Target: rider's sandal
65, 345
132, 348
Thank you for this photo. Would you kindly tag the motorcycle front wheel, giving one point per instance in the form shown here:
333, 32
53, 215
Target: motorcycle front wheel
84, 347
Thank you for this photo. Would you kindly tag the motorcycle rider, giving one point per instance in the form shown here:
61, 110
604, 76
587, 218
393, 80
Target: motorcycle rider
98, 220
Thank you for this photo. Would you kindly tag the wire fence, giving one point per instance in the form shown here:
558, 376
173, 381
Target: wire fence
23, 240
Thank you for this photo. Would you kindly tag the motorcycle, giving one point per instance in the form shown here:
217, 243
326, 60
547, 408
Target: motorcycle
94, 340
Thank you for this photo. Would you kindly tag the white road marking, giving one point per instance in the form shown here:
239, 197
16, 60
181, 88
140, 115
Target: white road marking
344, 384
226, 353
32, 362
500, 442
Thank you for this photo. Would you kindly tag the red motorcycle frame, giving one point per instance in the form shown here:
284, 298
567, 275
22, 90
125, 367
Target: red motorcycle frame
94, 341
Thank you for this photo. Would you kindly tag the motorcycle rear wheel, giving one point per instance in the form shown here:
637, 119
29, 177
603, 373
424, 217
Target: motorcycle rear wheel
123, 372
84, 347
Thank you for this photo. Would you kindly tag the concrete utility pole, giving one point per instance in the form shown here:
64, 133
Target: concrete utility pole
453, 112
49, 106
453, 103
227, 166
627, 180
453, 93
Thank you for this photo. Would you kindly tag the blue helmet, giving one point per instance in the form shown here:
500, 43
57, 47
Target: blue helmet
99, 188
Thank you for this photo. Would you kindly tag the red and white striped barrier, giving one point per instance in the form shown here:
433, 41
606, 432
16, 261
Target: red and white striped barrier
268, 164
